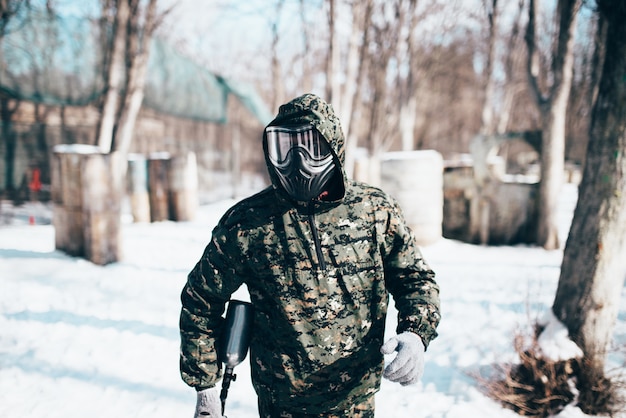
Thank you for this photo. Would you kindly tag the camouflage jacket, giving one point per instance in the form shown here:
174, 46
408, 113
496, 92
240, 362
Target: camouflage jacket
319, 277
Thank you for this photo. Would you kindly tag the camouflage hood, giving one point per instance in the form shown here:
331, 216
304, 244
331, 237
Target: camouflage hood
311, 109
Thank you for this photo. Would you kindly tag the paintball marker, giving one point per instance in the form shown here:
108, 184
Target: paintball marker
234, 342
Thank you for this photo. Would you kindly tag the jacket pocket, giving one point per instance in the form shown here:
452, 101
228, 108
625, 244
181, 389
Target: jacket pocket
355, 257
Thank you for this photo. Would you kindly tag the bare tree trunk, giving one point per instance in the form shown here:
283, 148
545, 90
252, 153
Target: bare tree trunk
487, 113
480, 204
553, 107
408, 95
375, 136
332, 59
137, 55
307, 78
407, 123
513, 60
598, 59
278, 92
594, 266
362, 13
352, 67
383, 104
115, 76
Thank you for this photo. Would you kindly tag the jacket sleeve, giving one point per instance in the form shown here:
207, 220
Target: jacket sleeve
208, 288
410, 280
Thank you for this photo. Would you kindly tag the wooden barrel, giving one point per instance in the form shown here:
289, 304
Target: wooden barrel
415, 180
86, 190
102, 207
138, 187
158, 180
67, 216
183, 183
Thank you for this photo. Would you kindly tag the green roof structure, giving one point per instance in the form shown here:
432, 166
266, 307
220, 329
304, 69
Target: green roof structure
53, 60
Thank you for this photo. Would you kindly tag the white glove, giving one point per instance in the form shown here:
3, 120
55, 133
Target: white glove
408, 366
208, 404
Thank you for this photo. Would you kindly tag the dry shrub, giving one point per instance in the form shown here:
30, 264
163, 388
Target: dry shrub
602, 394
542, 388
535, 386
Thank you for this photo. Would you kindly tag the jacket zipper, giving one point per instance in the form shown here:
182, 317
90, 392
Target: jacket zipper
316, 238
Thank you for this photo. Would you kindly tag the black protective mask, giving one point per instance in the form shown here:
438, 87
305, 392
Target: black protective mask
302, 160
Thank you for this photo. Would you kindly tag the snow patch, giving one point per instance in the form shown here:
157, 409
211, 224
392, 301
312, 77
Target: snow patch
77, 149
80, 340
554, 342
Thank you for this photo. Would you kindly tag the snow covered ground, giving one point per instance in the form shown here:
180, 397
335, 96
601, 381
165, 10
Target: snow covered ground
79, 340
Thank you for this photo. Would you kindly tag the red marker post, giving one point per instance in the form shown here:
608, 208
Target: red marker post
35, 187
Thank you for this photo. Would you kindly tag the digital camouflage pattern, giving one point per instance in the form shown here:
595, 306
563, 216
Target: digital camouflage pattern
364, 409
319, 276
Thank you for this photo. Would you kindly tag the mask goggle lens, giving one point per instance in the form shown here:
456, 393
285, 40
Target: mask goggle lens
282, 139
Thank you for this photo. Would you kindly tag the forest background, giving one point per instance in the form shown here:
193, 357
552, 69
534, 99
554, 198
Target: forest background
406, 75
391, 69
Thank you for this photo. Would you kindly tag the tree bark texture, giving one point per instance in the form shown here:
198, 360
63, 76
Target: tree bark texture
353, 66
553, 108
115, 77
333, 84
512, 62
594, 266
386, 40
487, 112
278, 93
362, 15
137, 64
409, 98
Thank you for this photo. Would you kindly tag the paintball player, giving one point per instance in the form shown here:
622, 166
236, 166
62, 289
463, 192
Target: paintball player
320, 255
